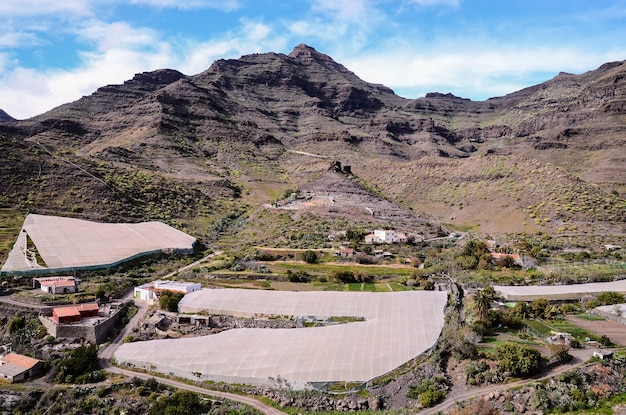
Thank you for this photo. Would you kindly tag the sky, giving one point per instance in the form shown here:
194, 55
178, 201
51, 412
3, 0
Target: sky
56, 51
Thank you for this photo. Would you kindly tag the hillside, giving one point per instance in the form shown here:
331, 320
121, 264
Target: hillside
206, 152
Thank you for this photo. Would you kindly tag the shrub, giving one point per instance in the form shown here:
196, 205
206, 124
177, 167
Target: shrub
518, 359
169, 300
610, 298
431, 397
310, 257
298, 276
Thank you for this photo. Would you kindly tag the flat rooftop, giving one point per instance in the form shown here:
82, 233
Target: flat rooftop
67, 243
396, 328
558, 292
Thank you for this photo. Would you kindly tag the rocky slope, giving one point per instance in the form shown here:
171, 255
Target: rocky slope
549, 157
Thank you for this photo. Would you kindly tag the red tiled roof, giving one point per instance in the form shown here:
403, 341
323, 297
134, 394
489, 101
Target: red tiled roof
20, 360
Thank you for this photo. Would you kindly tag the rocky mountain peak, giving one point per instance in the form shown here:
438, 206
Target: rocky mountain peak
5, 117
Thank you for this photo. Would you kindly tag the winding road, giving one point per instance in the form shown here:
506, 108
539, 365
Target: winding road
105, 355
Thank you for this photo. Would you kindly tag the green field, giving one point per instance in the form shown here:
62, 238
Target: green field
327, 268
547, 328
10, 224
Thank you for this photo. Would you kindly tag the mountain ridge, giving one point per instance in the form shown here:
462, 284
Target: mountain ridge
254, 127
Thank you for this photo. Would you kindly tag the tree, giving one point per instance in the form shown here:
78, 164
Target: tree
517, 359
355, 235
343, 276
169, 300
298, 276
482, 303
310, 257
16, 324
540, 308
559, 353
80, 366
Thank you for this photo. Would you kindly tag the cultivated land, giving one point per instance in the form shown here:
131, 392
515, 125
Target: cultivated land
65, 244
396, 328
559, 292
295, 153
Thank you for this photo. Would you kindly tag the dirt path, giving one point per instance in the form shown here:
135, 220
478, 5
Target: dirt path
105, 355
580, 358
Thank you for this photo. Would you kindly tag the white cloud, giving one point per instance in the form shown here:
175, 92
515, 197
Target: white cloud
355, 11
480, 72
44, 7
454, 3
253, 36
223, 5
116, 35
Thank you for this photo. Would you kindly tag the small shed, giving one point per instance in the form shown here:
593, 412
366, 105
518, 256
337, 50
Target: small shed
16, 367
73, 314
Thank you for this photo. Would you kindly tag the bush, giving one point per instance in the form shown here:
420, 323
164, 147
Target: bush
310, 257
431, 397
345, 277
169, 300
518, 360
610, 298
298, 276
429, 392
80, 366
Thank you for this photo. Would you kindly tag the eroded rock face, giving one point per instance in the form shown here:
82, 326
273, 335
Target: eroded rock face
252, 114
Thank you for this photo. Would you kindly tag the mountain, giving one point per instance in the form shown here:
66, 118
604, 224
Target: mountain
209, 151
5, 117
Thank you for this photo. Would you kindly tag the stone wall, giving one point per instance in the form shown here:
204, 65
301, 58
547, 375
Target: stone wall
93, 333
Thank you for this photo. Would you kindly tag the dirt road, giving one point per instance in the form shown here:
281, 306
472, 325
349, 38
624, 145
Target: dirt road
580, 358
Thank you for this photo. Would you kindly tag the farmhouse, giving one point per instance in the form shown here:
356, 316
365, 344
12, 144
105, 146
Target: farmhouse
56, 285
73, 314
382, 236
344, 252
150, 291
16, 367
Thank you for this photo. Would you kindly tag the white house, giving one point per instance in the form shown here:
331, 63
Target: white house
150, 291
15, 367
383, 236
56, 285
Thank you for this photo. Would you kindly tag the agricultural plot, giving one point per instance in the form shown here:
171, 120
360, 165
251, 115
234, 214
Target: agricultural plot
51, 243
384, 331
558, 292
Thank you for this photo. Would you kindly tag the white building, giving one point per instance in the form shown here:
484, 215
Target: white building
56, 285
383, 236
16, 367
150, 291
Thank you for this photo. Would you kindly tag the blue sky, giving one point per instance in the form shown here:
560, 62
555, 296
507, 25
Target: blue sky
55, 51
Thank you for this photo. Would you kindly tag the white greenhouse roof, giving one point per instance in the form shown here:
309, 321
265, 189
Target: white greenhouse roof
67, 243
397, 327
558, 292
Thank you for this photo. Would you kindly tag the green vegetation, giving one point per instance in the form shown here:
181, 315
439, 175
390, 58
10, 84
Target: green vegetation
10, 224
168, 300
429, 392
310, 257
22, 332
518, 360
180, 403
80, 366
